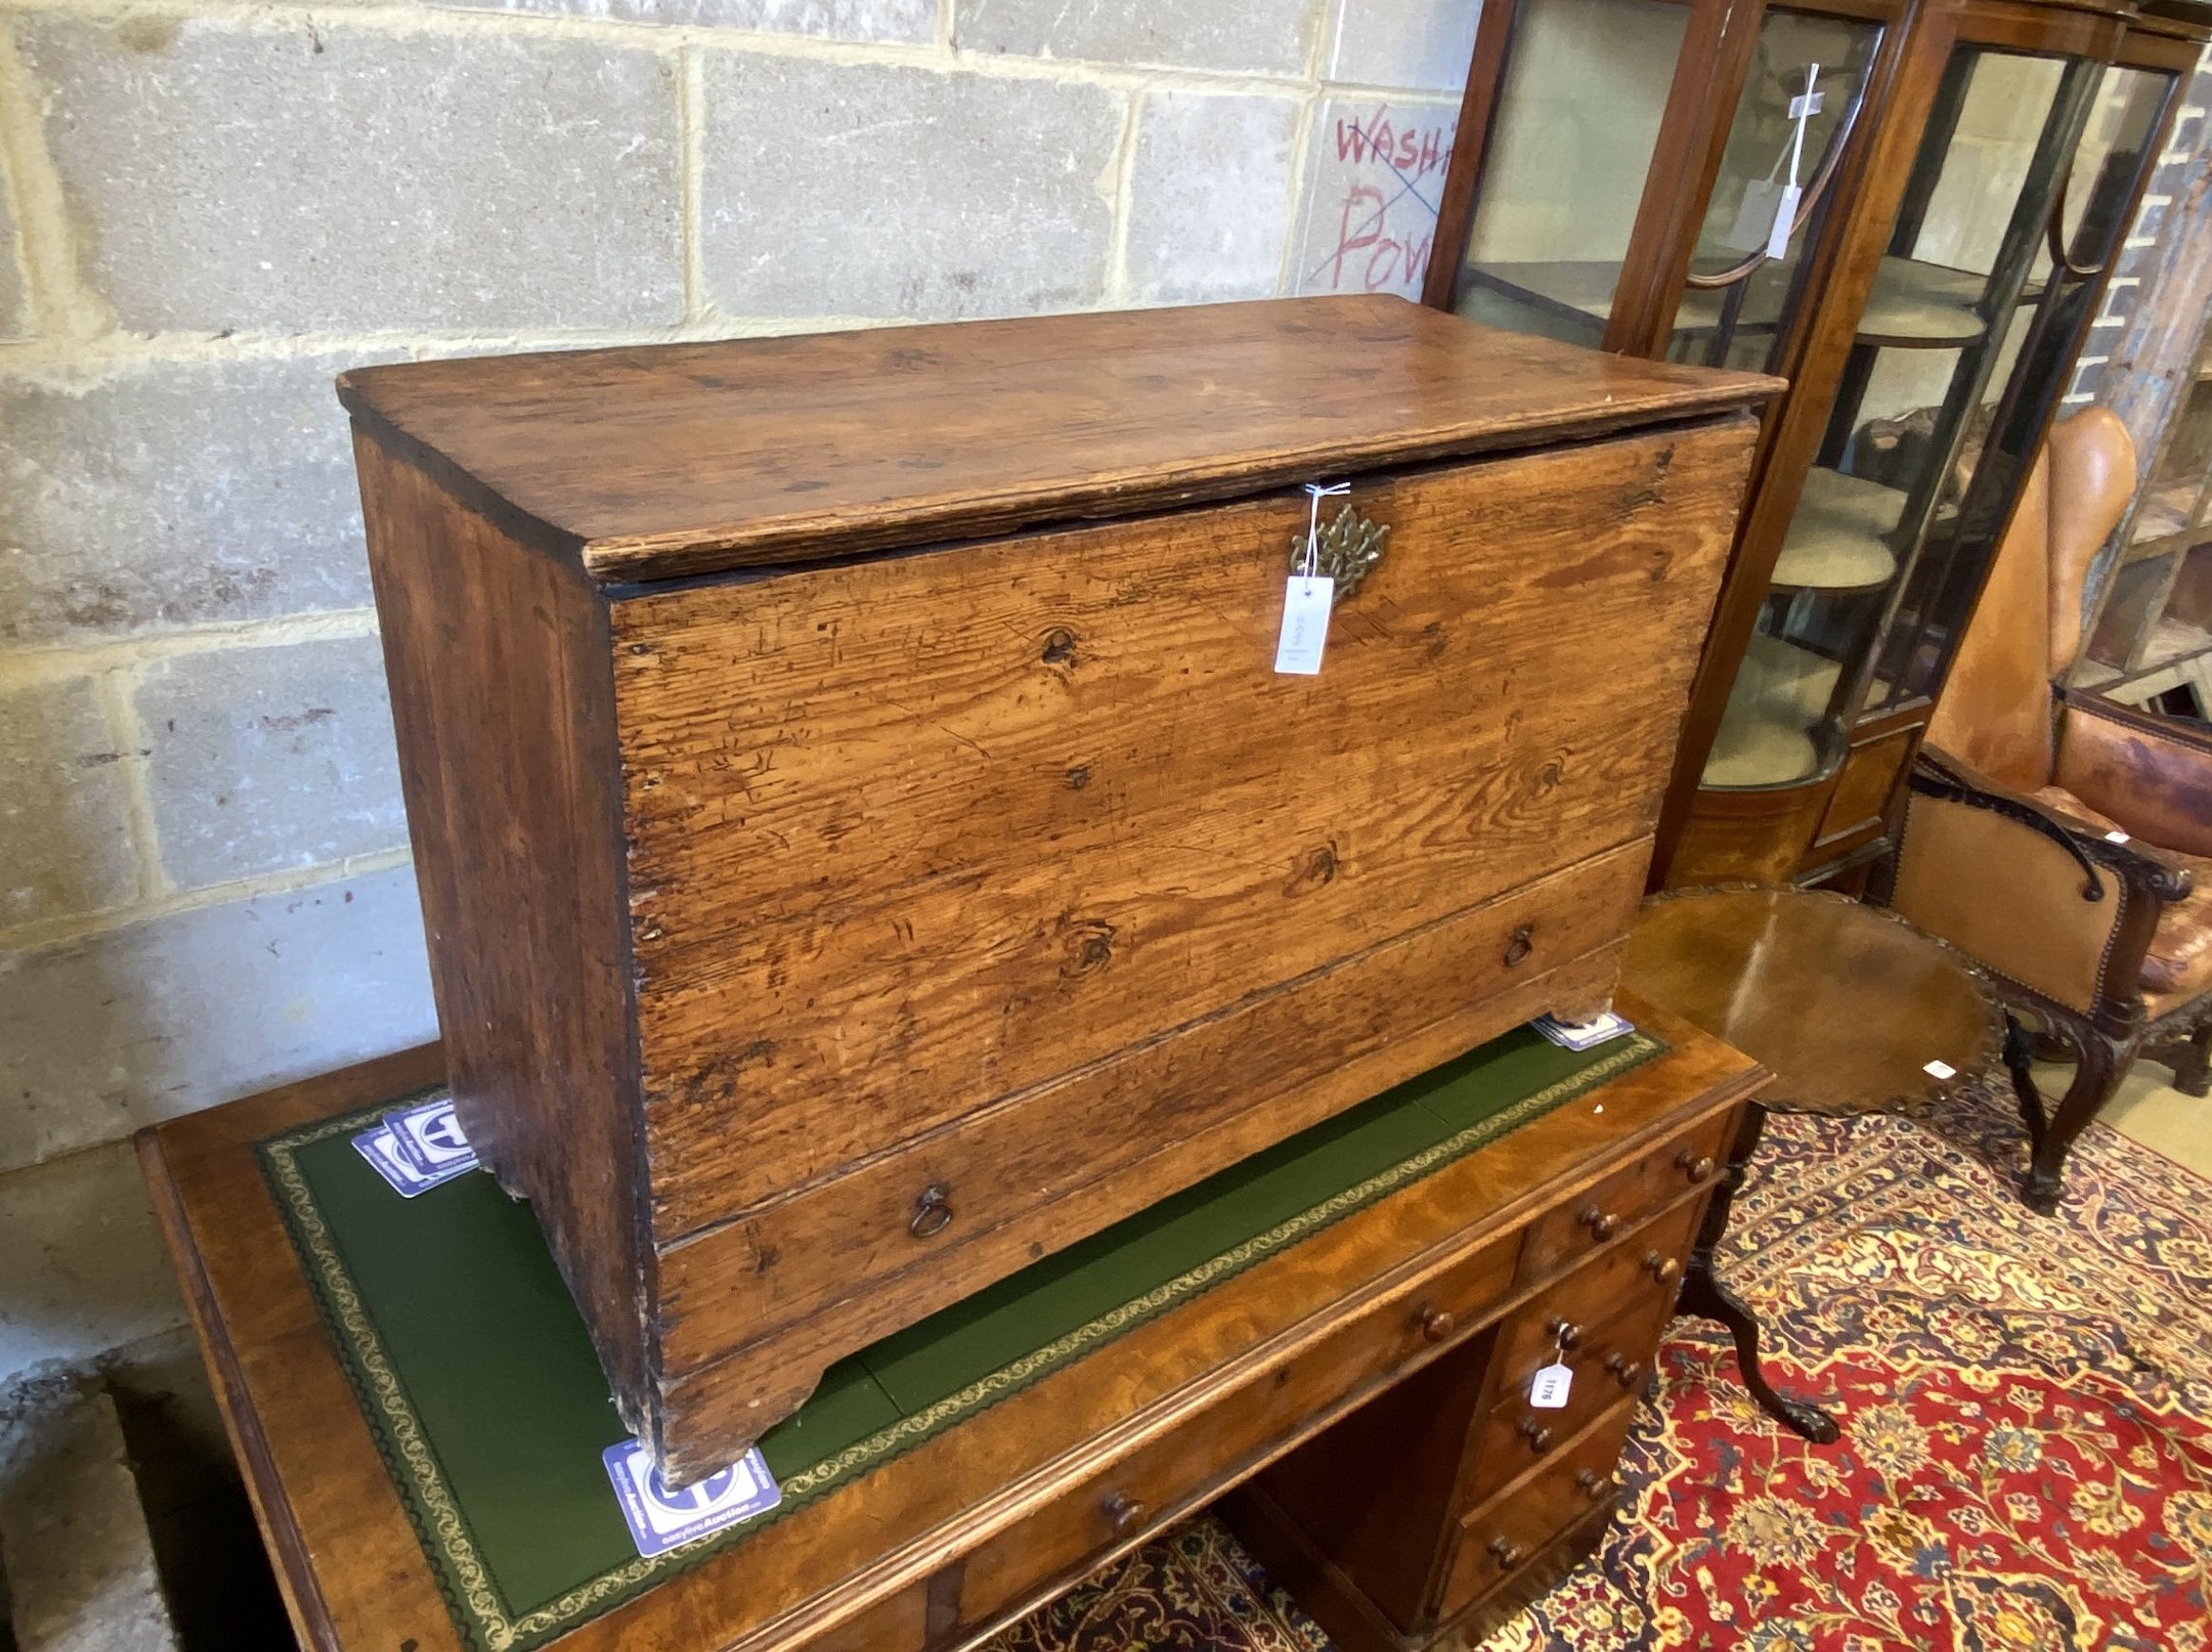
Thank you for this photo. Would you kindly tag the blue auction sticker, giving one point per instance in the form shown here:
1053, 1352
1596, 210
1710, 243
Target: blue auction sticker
660, 1519
381, 1149
430, 1138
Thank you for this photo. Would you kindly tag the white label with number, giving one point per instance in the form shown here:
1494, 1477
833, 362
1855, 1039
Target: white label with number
1305, 626
1785, 220
1549, 1391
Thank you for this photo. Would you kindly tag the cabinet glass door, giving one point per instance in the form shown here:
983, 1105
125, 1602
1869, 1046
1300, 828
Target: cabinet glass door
1577, 119
1735, 310
1901, 438
1995, 446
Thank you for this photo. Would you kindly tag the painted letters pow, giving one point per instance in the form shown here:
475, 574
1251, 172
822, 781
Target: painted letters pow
1373, 216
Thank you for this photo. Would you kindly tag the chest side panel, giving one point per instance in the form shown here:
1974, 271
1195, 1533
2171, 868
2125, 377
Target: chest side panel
909, 837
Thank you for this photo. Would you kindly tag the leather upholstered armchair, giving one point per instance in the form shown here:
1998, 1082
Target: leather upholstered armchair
2065, 841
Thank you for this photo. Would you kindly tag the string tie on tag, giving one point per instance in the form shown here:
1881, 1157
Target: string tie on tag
1315, 493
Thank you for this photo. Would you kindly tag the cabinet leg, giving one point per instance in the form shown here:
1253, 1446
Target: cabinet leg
1707, 1297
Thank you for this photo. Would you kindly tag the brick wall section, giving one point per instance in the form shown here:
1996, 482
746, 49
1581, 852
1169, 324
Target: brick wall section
209, 208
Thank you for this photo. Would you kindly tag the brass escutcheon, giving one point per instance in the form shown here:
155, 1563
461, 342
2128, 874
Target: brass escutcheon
1346, 551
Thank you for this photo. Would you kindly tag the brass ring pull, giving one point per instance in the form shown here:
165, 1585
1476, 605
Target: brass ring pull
1601, 1223
1520, 946
1124, 1511
1437, 1324
932, 1212
1696, 1166
1627, 1372
1565, 1331
1507, 1552
1538, 1437
1662, 1268
1591, 1484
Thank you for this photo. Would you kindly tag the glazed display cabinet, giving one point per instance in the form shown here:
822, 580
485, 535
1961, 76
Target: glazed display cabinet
1909, 217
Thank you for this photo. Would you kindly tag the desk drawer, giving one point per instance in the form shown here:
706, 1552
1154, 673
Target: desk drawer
1588, 1222
1505, 1532
1192, 1462
1628, 1302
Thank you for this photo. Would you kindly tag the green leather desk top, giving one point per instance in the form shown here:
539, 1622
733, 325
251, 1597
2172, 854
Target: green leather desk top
477, 1377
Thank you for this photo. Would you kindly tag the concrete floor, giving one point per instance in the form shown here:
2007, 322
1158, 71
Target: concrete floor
2149, 1110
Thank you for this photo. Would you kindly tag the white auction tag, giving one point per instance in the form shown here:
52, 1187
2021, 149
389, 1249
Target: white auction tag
1305, 624
2115, 836
1805, 105
1754, 218
1785, 220
1549, 1390
1942, 1072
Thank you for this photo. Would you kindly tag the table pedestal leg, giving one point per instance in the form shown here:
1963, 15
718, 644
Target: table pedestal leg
1705, 1296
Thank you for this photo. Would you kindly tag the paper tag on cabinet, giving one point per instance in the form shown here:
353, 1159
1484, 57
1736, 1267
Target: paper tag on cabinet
1549, 1391
1755, 219
1785, 220
660, 1519
1305, 626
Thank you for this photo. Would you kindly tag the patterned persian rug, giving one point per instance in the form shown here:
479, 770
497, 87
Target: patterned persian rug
2027, 1404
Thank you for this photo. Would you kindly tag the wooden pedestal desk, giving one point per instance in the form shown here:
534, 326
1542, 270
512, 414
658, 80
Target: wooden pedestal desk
1366, 1386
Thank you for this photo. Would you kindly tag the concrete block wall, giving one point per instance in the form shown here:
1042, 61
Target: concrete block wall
210, 207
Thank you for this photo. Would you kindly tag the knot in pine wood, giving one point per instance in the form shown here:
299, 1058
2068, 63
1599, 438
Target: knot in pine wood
1089, 948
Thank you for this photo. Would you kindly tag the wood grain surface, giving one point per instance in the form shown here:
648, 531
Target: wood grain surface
504, 706
657, 461
911, 836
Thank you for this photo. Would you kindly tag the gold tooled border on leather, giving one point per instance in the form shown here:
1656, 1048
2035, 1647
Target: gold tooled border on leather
483, 1616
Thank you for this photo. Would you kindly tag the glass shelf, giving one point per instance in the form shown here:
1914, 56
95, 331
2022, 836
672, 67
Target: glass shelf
1839, 539
1769, 731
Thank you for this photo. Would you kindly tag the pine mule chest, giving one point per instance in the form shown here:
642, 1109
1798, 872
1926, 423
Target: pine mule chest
865, 842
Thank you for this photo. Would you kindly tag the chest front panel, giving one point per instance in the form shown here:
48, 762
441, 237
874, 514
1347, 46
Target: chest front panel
919, 837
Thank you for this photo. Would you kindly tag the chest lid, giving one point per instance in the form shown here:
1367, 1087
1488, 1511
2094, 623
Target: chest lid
664, 461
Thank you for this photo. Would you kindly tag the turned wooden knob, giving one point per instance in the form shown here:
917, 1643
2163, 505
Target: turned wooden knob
1591, 1484
1437, 1324
932, 1212
1696, 1166
1520, 946
1565, 1331
1506, 1552
1661, 1267
1125, 1512
1601, 1223
1627, 1372
1538, 1437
